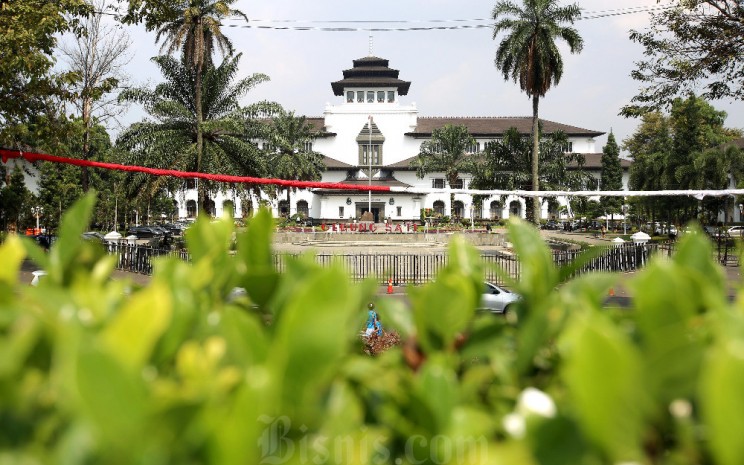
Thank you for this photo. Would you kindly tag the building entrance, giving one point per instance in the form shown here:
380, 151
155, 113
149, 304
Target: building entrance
378, 209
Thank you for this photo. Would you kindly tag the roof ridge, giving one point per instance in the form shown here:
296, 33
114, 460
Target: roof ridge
475, 117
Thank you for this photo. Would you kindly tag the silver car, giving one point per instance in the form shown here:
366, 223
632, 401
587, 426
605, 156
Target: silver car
497, 299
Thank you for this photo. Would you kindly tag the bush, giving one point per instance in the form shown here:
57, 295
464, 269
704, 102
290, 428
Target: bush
183, 371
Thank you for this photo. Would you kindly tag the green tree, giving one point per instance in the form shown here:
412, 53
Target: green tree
649, 147
445, 153
292, 158
611, 178
507, 164
673, 152
14, 201
693, 44
28, 36
528, 54
169, 139
196, 30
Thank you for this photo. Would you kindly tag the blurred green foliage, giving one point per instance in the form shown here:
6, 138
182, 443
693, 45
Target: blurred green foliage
186, 370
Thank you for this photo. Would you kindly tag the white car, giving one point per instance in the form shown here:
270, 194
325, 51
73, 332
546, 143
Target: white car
497, 299
735, 231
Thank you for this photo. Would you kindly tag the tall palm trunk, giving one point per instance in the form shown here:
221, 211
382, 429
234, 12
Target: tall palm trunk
201, 197
535, 158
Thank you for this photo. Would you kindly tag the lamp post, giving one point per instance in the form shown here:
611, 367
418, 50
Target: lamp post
37, 212
625, 219
369, 159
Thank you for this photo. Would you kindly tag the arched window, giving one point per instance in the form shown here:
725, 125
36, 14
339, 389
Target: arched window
439, 207
191, 209
303, 209
283, 208
228, 206
495, 210
515, 208
211, 210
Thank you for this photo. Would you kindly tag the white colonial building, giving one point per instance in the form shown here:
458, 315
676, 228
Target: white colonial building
370, 120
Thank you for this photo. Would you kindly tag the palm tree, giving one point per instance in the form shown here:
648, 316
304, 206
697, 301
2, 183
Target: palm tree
528, 54
196, 30
169, 140
292, 157
506, 164
445, 152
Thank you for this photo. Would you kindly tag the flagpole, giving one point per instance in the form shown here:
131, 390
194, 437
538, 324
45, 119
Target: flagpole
369, 158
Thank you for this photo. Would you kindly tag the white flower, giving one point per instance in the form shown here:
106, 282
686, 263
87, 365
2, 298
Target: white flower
514, 424
535, 402
680, 408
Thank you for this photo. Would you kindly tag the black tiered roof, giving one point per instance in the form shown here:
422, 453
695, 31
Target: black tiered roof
370, 72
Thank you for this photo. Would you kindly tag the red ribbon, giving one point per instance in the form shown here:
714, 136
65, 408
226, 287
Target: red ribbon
32, 157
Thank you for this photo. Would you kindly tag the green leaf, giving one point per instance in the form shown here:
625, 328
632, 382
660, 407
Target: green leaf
113, 398
256, 271
442, 310
136, 329
436, 387
603, 374
313, 332
556, 441
11, 256
721, 387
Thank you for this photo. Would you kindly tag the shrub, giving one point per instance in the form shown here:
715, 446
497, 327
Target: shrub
183, 371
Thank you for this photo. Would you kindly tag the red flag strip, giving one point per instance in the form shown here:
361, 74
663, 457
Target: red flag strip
32, 157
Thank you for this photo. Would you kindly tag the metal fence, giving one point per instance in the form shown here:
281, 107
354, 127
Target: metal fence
407, 269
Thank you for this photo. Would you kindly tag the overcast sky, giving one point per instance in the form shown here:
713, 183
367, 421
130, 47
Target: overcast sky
451, 71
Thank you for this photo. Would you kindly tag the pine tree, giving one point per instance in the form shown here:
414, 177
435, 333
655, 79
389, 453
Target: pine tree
612, 176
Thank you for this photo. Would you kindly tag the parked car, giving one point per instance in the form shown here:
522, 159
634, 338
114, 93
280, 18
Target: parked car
662, 228
93, 236
715, 232
497, 299
551, 225
736, 231
144, 232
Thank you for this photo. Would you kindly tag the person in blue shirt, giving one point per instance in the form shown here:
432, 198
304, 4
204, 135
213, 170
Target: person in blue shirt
373, 321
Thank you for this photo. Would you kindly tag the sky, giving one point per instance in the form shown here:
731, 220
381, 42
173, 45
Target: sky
452, 71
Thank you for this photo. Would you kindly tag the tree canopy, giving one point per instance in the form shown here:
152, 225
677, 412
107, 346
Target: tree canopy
446, 152
506, 164
694, 46
686, 149
168, 140
611, 178
291, 157
28, 36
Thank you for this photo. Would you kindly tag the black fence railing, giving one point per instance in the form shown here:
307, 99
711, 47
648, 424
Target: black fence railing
409, 269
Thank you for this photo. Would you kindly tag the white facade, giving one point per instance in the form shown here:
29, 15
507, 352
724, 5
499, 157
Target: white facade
372, 92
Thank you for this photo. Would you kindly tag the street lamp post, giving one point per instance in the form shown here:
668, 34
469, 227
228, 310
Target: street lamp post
625, 220
37, 212
369, 159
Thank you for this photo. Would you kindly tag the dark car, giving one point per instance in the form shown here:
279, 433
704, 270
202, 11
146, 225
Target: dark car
144, 232
552, 225
175, 229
